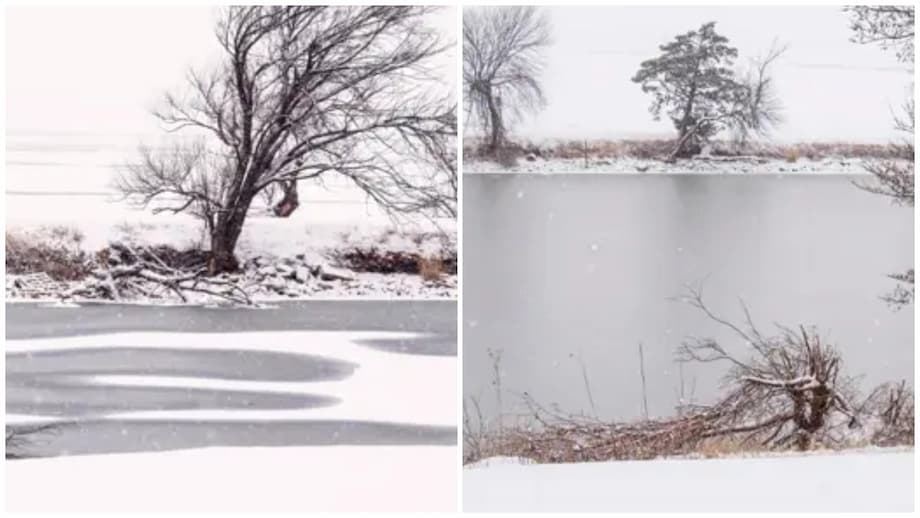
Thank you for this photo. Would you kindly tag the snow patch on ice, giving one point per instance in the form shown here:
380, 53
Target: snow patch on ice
386, 386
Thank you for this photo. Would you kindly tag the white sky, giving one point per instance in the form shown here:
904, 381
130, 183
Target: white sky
833, 89
99, 69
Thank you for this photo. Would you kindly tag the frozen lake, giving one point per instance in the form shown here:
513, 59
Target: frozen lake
144, 378
562, 271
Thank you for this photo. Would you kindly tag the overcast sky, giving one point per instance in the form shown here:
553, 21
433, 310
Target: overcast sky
101, 69
833, 89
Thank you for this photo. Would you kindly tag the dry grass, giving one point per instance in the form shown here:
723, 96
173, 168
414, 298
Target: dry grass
570, 442
430, 268
375, 260
651, 149
55, 251
727, 447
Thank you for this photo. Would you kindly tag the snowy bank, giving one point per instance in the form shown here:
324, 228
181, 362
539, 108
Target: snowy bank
698, 165
254, 480
279, 261
864, 480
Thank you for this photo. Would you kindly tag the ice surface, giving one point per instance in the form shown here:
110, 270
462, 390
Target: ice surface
386, 387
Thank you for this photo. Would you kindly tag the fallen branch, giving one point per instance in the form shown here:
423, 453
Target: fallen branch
143, 270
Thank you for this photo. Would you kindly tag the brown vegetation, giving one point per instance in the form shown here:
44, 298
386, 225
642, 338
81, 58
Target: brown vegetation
58, 253
375, 260
658, 149
781, 392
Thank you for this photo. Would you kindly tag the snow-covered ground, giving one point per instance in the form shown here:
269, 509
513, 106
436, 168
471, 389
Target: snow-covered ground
859, 480
385, 387
626, 165
253, 480
280, 247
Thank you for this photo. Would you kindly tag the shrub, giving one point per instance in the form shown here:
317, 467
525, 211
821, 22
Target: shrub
58, 254
374, 260
430, 268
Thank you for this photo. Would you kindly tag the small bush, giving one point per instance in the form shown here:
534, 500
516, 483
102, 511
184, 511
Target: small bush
430, 269
374, 260
58, 254
791, 155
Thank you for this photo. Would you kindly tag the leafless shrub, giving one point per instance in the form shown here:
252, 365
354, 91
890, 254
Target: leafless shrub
789, 384
891, 405
374, 260
903, 292
56, 252
759, 108
475, 436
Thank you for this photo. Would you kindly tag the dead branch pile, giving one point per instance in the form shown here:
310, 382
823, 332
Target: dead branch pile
782, 391
556, 437
155, 272
62, 260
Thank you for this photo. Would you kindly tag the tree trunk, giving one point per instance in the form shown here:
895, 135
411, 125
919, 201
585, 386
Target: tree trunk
224, 239
495, 122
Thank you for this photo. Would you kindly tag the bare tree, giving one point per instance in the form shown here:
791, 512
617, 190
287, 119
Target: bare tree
785, 388
760, 108
502, 63
891, 406
303, 91
894, 177
890, 26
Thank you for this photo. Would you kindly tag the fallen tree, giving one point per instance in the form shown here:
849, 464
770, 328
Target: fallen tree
789, 384
782, 391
